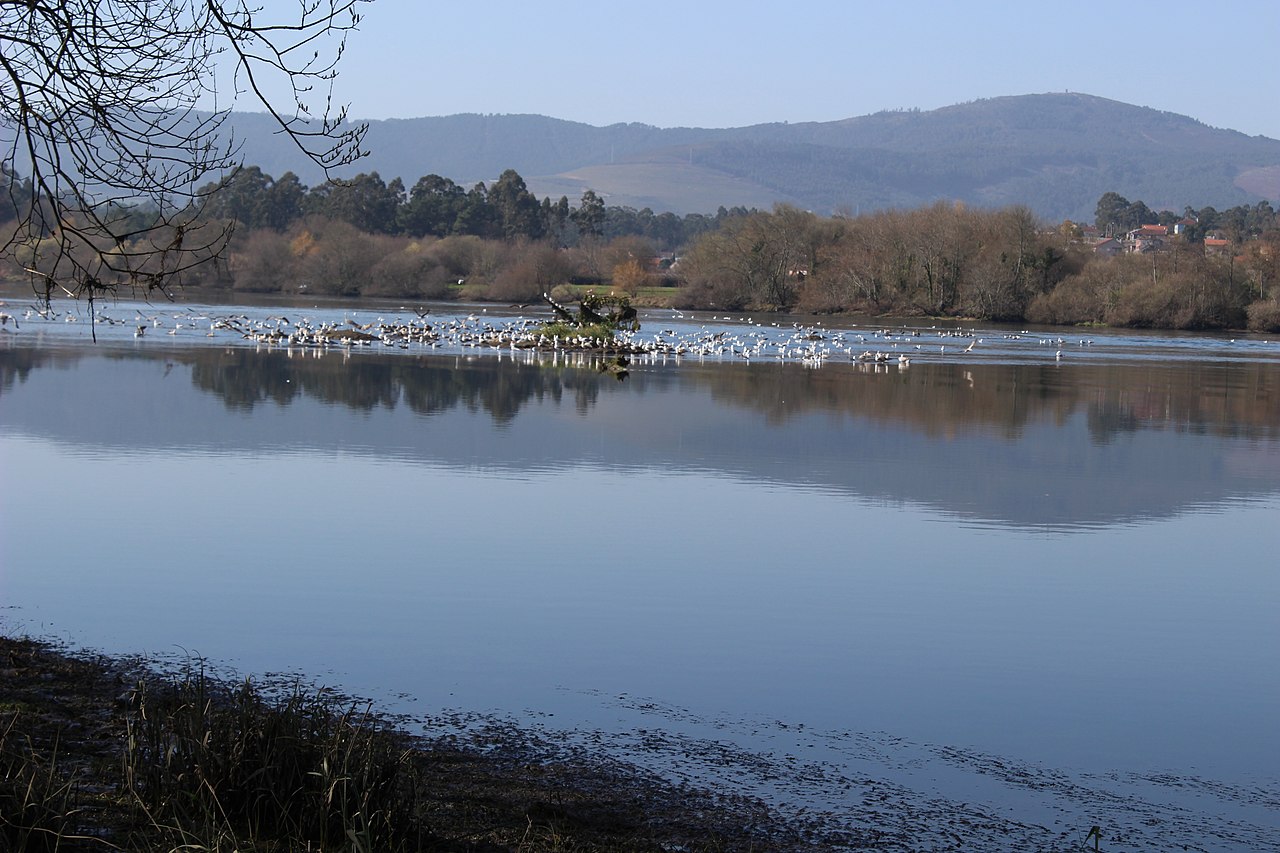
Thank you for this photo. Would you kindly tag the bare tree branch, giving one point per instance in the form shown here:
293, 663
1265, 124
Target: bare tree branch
115, 111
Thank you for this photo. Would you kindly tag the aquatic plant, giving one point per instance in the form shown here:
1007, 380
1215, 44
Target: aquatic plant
36, 800
208, 766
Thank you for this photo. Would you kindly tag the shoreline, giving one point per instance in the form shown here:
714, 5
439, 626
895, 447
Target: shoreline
71, 715
476, 782
19, 292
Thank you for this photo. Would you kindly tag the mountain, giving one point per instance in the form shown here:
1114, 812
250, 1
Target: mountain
1055, 153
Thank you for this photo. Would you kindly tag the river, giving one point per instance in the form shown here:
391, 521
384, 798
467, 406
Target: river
1021, 580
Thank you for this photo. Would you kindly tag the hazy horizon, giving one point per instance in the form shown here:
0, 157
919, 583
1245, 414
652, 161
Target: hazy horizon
718, 64
704, 126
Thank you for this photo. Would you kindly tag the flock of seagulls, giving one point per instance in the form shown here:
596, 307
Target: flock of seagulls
678, 335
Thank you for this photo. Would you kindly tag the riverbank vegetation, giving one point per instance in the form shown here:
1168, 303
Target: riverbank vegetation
103, 755
365, 237
951, 261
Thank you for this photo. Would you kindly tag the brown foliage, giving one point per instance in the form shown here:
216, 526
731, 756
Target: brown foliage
759, 260
951, 260
534, 269
466, 256
1200, 296
1089, 295
407, 269
263, 263
1264, 316
941, 260
338, 258
629, 276
629, 248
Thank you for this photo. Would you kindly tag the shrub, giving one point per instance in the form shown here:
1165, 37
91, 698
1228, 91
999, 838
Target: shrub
407, 270
1264, 315
264, 263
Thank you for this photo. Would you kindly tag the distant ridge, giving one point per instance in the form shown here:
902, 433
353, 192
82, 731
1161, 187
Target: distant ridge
1056, 153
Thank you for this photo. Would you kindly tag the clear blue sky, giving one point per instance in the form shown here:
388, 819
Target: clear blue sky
722, 64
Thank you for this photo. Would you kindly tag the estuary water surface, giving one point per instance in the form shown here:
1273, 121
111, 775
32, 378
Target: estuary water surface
1040, 589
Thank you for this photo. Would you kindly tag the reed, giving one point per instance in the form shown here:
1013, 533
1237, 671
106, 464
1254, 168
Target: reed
103, 756
36, 799
216, 768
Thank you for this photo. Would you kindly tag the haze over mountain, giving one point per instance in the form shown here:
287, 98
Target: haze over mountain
1056, 153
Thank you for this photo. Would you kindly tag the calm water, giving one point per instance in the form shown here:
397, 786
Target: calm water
1061, 564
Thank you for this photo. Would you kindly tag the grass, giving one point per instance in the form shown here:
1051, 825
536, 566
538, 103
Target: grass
36, 801
206, 764
570, 331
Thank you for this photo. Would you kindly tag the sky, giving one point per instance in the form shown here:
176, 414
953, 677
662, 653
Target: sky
711, 63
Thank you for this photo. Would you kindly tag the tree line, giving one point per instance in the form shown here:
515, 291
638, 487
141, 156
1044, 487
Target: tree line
436, 206
363, 237
499, 242
366, 237
1002, 265
1115, 214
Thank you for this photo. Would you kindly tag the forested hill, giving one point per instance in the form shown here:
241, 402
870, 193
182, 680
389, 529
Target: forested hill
1056, 153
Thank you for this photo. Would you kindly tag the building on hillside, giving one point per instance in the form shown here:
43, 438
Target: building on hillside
1147, 238
1216, 246
1107, 247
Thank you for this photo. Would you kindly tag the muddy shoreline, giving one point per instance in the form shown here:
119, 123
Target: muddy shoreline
489, 784
497, 788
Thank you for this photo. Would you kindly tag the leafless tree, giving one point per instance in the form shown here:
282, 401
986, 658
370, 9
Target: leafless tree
114, 112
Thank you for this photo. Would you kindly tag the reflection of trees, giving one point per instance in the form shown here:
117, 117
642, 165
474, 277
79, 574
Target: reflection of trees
427, 385
937, 399
16, 364
242, 379
1107, 419
1228, 399
1234, 400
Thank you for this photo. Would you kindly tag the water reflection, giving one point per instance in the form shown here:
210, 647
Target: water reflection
1018, 560
1024, 444
1238, 400
243, 379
